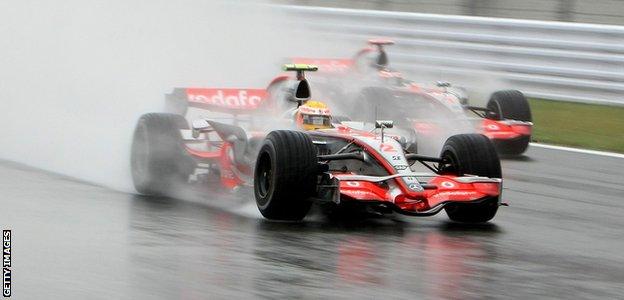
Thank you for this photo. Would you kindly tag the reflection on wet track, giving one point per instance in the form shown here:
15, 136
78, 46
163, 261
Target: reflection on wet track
562, 238
267, 259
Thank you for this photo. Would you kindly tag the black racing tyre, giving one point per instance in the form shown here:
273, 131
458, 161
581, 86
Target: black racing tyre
509, 104
512, 147
472, 154
285, 175
158, 158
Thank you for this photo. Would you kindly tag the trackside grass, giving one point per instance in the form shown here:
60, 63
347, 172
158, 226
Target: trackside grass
588, 126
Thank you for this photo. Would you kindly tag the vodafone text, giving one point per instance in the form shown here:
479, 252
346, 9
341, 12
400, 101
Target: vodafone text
231, 98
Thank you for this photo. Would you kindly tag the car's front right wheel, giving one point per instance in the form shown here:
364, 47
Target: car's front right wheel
511, 105
472, 154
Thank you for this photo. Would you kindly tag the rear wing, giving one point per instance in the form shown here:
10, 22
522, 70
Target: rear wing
344, 65
235, 101
326, 65
227, 100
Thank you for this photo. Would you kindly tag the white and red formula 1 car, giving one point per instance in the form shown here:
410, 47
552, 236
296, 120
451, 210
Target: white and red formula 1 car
234, 146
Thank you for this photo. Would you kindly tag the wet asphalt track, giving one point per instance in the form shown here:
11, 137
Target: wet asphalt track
562, 237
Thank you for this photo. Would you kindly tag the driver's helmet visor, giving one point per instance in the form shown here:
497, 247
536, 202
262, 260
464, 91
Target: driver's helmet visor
318, 121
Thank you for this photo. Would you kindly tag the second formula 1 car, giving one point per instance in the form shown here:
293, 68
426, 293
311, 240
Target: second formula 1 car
365, 88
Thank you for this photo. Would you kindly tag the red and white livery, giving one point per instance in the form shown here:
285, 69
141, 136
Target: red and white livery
340, 168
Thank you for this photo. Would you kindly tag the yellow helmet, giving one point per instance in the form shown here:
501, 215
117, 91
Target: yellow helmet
313, 115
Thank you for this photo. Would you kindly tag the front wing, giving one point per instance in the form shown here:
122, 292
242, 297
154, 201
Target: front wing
434, 193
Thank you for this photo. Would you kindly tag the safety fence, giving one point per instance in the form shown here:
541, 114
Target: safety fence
551, 60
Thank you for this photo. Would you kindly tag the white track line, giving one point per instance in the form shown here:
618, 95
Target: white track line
594, 152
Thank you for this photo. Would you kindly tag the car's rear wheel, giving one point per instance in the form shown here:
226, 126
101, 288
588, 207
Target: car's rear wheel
285, 176
158, 159
472, 154
511, 105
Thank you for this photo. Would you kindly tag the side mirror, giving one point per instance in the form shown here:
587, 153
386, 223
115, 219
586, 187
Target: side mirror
384, 124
